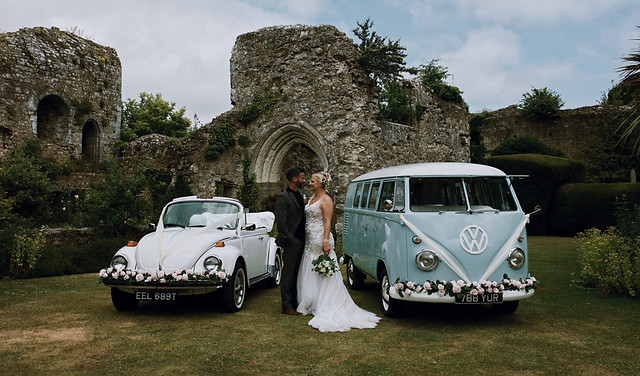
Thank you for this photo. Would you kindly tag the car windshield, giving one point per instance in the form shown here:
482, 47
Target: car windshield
201, 214
457, 194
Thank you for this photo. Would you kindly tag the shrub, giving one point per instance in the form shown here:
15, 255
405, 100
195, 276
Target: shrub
26, 181
74, 259
433, 76
609, 261
220, 139
525, 145
541, 104
118, 202
261, 104
26, 250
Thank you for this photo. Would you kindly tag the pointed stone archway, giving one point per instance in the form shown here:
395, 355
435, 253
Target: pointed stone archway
90, 142
286, 146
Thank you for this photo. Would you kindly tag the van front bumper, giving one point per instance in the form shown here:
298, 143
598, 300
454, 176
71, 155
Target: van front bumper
435, 298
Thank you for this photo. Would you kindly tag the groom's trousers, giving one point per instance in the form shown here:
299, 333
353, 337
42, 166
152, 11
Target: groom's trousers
291, 259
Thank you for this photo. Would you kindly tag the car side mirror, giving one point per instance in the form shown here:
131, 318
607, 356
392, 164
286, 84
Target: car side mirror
152, 226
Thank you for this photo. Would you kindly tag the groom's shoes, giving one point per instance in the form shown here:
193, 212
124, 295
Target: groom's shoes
291, 311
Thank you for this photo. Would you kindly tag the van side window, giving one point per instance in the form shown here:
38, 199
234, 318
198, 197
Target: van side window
386, 197
399, 196
356, 200
373, 198
436, 194
365, 195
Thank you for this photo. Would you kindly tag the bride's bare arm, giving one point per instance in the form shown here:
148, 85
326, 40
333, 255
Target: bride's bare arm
326, 206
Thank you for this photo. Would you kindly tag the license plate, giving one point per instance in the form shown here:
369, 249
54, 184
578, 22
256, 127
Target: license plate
495, 297
156, 295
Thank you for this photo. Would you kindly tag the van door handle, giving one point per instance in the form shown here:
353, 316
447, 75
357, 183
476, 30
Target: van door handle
364, 227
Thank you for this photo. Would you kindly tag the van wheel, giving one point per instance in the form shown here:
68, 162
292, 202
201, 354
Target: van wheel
506, 308
355, 278
390, 307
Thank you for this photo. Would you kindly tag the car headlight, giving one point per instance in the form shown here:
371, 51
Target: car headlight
516, 258
212, 263
119, 262
427, 260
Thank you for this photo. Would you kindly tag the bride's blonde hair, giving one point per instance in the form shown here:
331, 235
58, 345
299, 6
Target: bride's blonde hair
324, 177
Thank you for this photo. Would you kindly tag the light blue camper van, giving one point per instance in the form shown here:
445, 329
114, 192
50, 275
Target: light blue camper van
437, 232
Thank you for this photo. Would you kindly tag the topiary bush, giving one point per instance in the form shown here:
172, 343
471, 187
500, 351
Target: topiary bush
546, 174
579, 206
525, 145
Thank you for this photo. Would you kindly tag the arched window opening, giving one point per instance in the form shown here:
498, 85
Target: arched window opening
53, 116
90, 141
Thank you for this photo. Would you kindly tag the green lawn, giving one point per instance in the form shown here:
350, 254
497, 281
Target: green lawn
67, 325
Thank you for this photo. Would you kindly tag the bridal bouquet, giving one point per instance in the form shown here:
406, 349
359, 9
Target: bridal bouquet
324, 265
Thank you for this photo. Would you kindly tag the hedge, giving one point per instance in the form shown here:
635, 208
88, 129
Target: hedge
580, 206
546, 174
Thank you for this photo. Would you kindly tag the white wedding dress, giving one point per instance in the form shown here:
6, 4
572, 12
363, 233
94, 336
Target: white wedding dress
326, 298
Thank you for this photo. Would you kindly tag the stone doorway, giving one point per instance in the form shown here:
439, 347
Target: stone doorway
90, 136
286, 146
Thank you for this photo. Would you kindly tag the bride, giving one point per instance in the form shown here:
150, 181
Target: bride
325, 297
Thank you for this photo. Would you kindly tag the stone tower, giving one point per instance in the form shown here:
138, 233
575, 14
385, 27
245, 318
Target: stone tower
61, 88
325, 118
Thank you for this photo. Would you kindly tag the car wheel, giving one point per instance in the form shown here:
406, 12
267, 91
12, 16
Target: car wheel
355, 278
506, 308
390, 307
235, 289
123, 301
277, 271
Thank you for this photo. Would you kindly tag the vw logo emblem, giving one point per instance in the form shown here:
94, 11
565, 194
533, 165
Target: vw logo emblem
473, 239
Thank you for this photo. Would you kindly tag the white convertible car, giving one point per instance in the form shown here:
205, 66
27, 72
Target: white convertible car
199, 246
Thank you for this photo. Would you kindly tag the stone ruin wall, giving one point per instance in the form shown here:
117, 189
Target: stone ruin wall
62, 88
572, 132
326, 118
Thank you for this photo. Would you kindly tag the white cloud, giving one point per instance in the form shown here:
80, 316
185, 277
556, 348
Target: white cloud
540, 11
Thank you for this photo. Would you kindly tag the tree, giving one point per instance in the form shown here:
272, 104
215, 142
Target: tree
152, 114
433, 76
394, 103
381, 57
249, 191
541, 104
630, 88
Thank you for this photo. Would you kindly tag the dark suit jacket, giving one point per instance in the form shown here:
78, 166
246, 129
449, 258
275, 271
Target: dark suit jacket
289, 215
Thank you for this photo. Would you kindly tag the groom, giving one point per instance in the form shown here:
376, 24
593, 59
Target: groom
290, 220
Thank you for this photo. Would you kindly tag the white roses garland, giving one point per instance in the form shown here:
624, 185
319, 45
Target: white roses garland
143, 277
453, 288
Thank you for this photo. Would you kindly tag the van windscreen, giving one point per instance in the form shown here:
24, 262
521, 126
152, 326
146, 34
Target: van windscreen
457, 194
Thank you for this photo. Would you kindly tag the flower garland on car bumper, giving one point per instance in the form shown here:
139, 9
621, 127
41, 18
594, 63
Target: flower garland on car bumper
141, 277
453, 288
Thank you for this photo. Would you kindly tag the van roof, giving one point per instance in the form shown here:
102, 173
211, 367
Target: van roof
439, 169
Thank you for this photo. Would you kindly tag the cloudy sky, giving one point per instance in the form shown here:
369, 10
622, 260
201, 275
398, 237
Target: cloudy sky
496, 50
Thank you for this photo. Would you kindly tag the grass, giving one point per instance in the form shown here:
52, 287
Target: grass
67, 325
